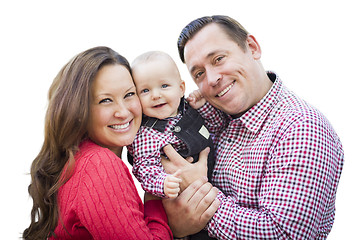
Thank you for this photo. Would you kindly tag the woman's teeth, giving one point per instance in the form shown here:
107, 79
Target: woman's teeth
118, 127
225, 90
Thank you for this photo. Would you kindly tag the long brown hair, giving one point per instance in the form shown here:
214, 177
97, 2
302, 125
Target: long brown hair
65, 127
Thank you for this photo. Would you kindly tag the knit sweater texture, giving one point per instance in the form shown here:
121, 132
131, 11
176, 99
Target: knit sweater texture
100, 201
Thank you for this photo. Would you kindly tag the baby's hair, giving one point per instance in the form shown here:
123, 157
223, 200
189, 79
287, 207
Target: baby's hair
153, 56
150, 56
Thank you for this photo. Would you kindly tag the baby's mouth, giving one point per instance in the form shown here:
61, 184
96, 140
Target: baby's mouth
159, 105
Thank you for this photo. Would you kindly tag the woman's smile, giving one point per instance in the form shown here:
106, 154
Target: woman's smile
119, 126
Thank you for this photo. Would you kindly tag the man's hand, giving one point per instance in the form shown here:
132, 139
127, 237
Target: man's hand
192, 209
189, 172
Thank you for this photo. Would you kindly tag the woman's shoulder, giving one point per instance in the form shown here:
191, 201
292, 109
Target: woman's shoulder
93, 154
89, 148
94, 162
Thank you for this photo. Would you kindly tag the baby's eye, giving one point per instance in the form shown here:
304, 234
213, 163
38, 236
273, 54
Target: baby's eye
164, 85
144, 91
105, 100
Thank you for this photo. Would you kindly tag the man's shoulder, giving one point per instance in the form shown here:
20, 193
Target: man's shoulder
293, 106
294, 112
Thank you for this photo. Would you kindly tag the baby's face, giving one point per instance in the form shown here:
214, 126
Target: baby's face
159, 88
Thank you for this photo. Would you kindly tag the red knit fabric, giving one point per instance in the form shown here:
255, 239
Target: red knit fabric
100, 201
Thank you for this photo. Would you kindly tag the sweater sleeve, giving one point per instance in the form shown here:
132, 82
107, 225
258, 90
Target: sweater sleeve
110, 207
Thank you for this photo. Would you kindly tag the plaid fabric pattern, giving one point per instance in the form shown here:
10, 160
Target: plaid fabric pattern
146, 151
277, 169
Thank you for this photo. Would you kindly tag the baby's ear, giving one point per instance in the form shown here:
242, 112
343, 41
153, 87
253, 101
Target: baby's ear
183, 87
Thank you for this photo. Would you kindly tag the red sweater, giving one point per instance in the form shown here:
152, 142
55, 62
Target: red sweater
100, 201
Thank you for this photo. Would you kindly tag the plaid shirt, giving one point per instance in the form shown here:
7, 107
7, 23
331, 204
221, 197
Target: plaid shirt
146, 151
277, 168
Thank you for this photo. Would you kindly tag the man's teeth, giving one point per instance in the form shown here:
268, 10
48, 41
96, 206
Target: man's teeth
118, 127
225, 90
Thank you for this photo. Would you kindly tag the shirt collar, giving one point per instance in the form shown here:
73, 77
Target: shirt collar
255, 116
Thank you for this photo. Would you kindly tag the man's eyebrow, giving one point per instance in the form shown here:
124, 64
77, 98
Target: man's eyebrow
193, 68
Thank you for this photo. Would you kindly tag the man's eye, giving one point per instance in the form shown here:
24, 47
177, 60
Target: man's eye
218, 59
198, 74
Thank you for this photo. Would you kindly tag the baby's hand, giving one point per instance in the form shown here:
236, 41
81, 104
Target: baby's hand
196, 99
171, 184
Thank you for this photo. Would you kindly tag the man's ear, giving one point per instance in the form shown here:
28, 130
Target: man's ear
254, 47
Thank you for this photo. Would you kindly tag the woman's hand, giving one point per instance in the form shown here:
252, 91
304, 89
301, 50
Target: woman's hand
192, 209
190, 172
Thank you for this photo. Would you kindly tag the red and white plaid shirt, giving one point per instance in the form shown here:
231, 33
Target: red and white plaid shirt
146, 151
277, 167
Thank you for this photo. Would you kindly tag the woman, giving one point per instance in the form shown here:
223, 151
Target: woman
80, 187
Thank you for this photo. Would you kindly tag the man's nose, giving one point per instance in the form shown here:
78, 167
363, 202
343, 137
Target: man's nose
213, 77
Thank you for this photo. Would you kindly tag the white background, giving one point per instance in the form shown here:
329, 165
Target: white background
316, 47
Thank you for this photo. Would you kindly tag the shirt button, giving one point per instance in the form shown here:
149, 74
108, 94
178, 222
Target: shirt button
177, 129
229, 140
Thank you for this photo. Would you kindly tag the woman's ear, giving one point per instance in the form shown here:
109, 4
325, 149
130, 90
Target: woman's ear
254, 47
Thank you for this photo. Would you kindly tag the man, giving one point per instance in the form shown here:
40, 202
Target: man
278, 160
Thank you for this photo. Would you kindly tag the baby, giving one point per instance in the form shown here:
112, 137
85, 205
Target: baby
167, 119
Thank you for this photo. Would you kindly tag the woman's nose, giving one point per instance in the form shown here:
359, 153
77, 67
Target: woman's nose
121, 111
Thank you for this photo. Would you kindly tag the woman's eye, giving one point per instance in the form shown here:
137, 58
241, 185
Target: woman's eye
129, 94
105, 100
164, 85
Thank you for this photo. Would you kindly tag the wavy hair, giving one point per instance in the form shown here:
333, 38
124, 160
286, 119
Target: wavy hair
65, 127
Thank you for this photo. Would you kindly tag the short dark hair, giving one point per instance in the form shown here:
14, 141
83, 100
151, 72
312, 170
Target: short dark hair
232, 28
